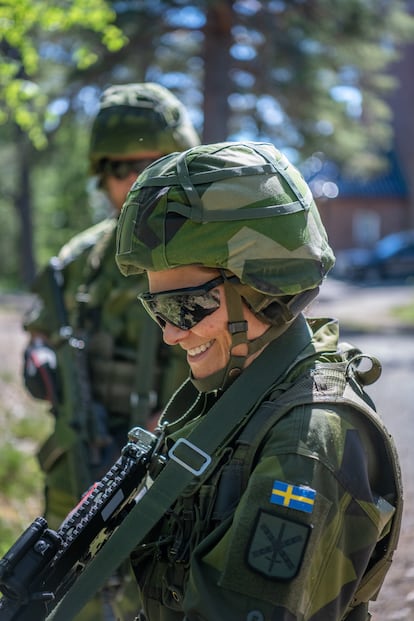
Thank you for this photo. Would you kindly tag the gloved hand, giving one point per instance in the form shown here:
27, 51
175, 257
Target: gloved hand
39, 371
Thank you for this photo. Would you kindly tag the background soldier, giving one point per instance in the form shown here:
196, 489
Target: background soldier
298, 511
92, 352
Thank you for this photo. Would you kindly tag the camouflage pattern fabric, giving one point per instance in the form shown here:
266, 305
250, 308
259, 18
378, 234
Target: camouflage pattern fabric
139, 118
296, 545
238, 206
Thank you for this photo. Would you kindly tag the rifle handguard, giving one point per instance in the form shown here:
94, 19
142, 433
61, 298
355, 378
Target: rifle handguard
42, 564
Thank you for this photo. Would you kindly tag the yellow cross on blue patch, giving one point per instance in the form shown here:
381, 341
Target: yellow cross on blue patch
296, 497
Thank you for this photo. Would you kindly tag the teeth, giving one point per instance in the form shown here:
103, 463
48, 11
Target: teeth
200, 349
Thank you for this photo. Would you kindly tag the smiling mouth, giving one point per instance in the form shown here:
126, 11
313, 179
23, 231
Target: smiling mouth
195, 351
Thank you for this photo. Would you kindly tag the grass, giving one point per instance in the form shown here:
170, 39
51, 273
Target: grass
25, 423
21, 480
404, 313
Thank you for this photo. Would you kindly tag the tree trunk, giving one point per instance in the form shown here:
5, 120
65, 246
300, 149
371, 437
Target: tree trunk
218, 40
23, 205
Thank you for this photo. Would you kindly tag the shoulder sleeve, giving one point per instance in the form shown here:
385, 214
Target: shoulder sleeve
40, 317
84, 241
305, 529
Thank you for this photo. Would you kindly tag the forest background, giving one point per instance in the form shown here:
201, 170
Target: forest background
311, 76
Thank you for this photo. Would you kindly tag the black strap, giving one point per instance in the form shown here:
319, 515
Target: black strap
189, 458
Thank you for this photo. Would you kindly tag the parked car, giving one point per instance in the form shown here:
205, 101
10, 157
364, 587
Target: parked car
391, 257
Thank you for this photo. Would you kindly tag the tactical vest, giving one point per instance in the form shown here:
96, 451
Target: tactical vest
111, 376
119, 371
217, 498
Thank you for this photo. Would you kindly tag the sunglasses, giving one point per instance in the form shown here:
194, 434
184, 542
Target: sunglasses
121, 169
183, 308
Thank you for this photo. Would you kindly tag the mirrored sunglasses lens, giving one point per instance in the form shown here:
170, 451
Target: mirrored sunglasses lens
149, 308
182, 311
194, 308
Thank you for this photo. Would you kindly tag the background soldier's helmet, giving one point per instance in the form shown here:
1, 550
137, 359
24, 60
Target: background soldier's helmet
139, 118
241, 207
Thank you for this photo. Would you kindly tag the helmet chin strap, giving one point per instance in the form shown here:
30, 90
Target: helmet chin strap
237, 326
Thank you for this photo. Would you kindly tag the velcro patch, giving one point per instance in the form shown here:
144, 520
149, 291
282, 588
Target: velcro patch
277, 546
296, 497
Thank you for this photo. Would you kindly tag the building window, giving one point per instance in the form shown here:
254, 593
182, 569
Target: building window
366, 228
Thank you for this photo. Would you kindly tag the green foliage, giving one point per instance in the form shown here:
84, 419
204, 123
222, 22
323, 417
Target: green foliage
9, 271
13, 469
24, 25
7, 536
30, 428
9, 230
60, 199
21, 480
325, 64
405, 313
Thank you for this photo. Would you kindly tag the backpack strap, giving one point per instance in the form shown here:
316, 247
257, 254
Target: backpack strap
373, 579
335, 383
235, 475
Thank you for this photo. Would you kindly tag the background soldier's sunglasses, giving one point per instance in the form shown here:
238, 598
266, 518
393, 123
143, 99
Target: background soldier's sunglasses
121, 169
183, 308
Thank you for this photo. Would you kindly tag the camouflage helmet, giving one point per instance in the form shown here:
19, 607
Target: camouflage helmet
135, 118
241, 207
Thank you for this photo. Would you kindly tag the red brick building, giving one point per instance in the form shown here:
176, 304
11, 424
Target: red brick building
360, 213
363, 212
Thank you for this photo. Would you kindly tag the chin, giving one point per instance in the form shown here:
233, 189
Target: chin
200, 374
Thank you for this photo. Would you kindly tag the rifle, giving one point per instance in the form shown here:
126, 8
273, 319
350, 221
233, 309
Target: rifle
42, 564
79, 430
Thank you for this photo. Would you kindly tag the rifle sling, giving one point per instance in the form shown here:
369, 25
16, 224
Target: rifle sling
232, 409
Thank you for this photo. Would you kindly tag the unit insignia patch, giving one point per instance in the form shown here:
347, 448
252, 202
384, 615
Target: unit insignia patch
277, 546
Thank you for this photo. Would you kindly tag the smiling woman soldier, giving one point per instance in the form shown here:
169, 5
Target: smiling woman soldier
298, 515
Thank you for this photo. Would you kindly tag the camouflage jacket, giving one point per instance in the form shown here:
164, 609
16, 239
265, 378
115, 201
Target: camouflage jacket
293, 538
103, 304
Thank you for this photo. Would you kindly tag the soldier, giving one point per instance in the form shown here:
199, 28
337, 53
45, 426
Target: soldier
298, 513
123, 376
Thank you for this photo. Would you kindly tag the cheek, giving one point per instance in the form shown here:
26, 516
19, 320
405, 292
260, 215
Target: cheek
205, 328
214, 326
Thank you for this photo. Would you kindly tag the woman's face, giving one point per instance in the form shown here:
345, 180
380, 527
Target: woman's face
208, 342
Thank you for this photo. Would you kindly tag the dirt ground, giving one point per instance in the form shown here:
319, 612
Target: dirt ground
396, 601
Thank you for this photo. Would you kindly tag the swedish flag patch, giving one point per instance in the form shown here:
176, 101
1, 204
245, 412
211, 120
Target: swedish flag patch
296, 497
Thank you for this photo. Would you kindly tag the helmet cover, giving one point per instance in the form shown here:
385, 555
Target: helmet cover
238, 206
139, 118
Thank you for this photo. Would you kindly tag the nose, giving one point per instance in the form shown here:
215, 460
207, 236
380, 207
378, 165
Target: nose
173, 335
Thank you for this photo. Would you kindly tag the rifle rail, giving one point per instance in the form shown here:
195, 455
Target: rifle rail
42, 564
